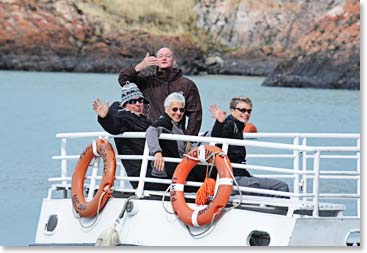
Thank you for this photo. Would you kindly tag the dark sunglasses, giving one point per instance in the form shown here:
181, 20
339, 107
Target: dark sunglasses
175, 109
243, 110
134, 101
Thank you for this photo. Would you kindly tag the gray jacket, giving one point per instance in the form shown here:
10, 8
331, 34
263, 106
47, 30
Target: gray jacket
168, 148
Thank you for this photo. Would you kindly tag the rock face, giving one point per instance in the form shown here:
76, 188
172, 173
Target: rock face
328, 56
39, 36
257, 33
296, 43
50, 35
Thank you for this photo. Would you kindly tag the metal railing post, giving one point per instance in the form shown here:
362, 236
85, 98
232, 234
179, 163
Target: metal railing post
123, 183
359, 178
304, 166
296, 167
92, 183
143, 171
316, 184
64, 165
225, 147
64, 169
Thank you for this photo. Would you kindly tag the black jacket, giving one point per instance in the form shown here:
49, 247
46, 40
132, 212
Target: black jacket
232, 128
119, 121
157, 86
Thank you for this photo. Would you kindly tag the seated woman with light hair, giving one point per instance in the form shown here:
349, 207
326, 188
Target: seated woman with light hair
169, 122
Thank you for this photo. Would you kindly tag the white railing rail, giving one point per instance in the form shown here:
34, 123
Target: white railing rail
299, 151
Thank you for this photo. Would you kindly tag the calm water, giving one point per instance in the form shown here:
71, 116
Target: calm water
36, 106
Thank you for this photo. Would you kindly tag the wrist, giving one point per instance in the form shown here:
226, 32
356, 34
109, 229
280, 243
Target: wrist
139, 67
103, 114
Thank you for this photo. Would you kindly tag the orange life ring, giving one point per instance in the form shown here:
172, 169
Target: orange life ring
81, 206
250, 128
203, 216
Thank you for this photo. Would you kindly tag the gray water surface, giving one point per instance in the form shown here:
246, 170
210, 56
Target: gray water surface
36, 106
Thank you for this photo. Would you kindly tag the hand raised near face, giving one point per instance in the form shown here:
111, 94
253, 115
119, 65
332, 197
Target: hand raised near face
100, 108
217, 113
146, 62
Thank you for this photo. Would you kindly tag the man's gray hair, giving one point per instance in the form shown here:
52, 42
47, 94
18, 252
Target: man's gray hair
174, 97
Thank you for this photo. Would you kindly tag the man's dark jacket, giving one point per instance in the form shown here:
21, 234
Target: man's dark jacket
158, 85
119, 121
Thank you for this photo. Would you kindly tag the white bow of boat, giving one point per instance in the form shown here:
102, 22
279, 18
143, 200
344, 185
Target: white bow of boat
323, 208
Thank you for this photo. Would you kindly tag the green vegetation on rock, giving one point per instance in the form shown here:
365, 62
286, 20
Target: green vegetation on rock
164, 17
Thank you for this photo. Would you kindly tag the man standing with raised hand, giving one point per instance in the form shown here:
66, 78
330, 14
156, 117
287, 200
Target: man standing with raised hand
163, 81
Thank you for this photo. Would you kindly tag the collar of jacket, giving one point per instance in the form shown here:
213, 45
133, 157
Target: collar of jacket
166, 117
168, 74
239, 124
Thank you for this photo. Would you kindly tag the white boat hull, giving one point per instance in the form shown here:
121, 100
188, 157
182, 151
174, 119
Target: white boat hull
151, 225
311, 214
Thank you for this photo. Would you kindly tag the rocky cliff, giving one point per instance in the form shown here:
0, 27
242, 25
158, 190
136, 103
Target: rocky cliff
257, 34
58, 36
328, 56
244, 37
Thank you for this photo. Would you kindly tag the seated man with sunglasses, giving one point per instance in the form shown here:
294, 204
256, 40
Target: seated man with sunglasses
231, 127
169, 122
126, 116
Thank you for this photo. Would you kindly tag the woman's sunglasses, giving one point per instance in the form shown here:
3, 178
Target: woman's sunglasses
175, 109
243, 110
134, 101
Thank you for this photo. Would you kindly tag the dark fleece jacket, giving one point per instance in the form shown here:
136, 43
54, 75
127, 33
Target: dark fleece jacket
158, 85
119, 121
232, 128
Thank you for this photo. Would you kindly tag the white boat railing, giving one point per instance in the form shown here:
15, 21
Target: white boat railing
299, 151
